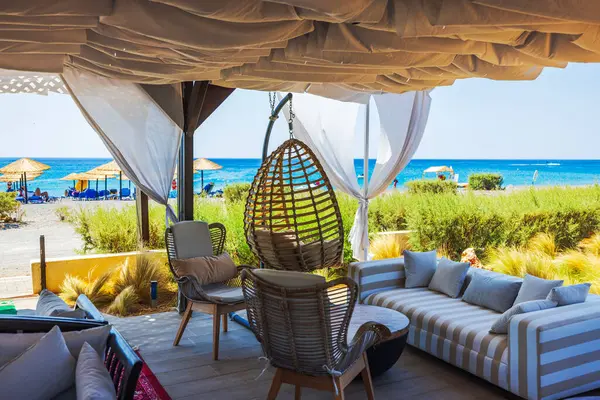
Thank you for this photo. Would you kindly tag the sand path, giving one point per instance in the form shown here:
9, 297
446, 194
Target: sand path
19, 245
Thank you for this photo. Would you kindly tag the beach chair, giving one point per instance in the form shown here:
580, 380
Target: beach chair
208, 189
460, 185
126, 193
35, 199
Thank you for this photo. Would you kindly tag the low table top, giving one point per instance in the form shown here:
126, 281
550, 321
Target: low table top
396, 322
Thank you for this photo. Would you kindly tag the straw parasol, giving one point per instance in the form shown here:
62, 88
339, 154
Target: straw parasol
24, 166
111, 168
85, 176
204, 164
17, 177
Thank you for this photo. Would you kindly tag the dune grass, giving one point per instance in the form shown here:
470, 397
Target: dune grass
388, 246
572, 266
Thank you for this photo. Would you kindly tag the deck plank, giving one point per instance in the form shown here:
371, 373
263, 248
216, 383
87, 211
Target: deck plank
188, 372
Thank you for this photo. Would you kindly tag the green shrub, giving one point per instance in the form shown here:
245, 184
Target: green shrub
435, 186
485, 181
388, 212
114, 230
443, 221
454, 223
236, 192
9, 207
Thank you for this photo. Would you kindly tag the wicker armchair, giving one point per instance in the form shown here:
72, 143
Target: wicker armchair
188, 239
303, 332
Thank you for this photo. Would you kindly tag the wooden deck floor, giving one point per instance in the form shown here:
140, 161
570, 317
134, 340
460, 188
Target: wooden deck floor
188, 371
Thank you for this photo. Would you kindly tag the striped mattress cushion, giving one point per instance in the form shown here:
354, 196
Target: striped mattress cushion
437, 320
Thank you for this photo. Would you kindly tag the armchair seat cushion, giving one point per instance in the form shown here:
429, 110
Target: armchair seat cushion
222, 293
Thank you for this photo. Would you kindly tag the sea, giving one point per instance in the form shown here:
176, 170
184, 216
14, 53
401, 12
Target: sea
515, 172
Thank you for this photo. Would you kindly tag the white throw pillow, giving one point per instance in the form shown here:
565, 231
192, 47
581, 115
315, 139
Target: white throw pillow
49, 366
13, 344
92, 380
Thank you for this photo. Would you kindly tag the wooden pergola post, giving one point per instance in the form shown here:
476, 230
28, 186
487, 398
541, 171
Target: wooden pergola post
200, 100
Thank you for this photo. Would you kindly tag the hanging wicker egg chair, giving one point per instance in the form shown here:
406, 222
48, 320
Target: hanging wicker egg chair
292, 219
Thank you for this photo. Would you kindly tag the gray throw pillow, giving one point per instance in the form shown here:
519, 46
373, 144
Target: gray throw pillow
50, 305
13, 344
43, 371
566, 295
535, 288
449, 277
501, 325
497, 293
92, 380
419, 268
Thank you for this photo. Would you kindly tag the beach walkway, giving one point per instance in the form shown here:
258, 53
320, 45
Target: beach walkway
19, 245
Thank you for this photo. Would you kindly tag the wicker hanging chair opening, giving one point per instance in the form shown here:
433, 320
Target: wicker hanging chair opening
292, 218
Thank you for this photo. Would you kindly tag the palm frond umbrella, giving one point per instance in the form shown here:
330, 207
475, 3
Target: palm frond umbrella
24, 166
204, 164
112, 168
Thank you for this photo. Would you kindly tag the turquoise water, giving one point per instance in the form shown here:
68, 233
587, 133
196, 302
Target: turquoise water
515, 172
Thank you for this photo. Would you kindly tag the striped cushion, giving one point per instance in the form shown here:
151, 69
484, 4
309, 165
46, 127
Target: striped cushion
432, 313
377, 276
555, 353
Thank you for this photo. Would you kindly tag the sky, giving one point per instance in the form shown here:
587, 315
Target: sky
553, 117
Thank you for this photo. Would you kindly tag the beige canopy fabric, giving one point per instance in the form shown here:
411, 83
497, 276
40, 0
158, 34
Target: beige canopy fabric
204, 164
24, 165
300, 45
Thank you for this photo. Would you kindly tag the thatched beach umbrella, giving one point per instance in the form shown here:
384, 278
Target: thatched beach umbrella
103, 175
85, 176
24, 166
204, 164
111, 168
16, 178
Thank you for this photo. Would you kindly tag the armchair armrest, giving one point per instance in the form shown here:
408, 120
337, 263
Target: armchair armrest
376, 276
555, 353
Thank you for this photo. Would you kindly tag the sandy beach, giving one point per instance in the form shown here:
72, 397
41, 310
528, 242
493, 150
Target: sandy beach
19, 244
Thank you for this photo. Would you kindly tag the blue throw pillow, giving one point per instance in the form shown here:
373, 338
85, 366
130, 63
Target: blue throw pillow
449, 277
496, 292
419, 268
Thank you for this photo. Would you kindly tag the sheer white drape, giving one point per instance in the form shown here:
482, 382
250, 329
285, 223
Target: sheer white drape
143, 139
329, 128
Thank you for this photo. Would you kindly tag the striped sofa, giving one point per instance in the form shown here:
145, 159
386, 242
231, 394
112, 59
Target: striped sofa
548, 354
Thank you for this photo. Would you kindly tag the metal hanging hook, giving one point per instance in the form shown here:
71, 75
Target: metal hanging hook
291, 120
272, 98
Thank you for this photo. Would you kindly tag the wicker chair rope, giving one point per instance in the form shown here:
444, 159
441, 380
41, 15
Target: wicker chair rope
292, 219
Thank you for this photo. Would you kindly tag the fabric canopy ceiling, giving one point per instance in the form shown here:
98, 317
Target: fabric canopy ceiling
300, 45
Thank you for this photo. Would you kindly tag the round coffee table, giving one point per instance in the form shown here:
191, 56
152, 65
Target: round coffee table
385, 354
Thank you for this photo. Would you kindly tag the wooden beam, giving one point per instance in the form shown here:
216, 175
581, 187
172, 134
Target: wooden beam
144, 219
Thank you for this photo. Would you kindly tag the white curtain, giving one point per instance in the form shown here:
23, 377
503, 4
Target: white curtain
329, 128
142, 137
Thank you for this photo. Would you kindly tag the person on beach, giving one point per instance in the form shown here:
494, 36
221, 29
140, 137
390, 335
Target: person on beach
39, 193
395, 182
9, 187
